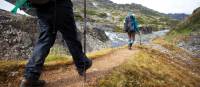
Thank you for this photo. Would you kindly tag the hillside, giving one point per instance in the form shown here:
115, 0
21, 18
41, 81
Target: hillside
103, 15
178, 16
106, 15
110, 16
191, 24
187, 33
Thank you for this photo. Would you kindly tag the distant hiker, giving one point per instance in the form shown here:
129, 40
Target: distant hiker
54, 16
131, 27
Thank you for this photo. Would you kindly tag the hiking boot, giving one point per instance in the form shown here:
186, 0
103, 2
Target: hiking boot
84, 66
29, 83
130, 46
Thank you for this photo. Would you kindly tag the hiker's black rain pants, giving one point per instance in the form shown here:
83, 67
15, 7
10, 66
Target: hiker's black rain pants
54, 17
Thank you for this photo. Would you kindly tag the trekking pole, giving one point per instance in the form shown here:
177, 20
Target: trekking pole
140, 39
85, 31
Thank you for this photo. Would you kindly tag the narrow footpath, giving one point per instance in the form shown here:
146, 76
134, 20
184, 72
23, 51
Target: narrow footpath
68, 77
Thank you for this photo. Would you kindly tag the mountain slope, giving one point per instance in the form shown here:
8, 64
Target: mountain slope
187, 33
19, 34
178, 16
110, 16
107, 15
192, 23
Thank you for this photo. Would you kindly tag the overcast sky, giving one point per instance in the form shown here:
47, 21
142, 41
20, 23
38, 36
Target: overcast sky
166, 6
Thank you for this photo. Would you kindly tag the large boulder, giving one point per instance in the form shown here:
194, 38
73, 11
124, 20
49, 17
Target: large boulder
19, 34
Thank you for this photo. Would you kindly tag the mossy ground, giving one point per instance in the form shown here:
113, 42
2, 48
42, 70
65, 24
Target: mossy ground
152, 68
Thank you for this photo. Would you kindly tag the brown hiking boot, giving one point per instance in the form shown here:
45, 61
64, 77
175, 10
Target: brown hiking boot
29, 83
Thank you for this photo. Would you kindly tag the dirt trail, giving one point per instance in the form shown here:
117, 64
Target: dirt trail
69, 78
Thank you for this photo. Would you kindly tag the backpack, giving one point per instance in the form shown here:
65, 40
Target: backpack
128, 25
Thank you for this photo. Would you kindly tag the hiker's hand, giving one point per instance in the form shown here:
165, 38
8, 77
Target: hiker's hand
24, 8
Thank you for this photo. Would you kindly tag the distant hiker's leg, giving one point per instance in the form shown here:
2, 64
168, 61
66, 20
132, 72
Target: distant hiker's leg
129, 44
130, 40
133, 37
41, 50
69, 32
129, 35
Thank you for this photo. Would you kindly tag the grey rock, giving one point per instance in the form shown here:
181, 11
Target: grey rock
19, 34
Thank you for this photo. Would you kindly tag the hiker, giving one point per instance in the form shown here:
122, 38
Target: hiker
131, 27
54, 16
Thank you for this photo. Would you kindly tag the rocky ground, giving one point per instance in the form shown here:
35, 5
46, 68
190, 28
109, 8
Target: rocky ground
192, 44
19, 34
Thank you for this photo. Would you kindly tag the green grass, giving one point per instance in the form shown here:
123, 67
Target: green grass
91, 12
184, 29
118, 29
150, 68
102, 15
78, 17
178, 35
6, 67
